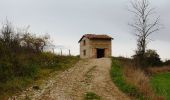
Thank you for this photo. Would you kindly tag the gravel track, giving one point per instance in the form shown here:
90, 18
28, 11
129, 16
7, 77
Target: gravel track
86, 76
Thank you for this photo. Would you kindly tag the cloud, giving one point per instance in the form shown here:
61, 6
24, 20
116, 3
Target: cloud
67, 20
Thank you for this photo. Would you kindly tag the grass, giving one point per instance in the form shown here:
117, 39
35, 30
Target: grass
119, 80
132, 80
17, 84
161, 84
157, 70
91, 96
11, 86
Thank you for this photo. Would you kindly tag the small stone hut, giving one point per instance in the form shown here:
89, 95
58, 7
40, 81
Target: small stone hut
95, 46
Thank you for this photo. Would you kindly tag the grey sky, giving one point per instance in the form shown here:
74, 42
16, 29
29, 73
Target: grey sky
67, 20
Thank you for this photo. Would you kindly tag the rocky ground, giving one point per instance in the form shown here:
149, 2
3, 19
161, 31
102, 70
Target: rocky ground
86, 76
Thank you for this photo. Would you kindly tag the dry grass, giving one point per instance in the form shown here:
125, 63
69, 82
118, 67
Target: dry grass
138, 78
156, 70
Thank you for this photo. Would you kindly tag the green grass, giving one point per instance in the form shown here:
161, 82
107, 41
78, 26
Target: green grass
91, 96
44, 67
161, 84
117, 77
10, 87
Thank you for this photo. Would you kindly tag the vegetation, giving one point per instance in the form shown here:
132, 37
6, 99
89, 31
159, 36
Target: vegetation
23, 61
91, 96
131, 80
150, 59
167, 62
157, 70
144, 24
160, 82
119, 80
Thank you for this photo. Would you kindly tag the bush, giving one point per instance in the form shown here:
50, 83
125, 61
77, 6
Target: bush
22, 58
167, 62
23, 69
17, 68
150, 58
26, 70
5, 71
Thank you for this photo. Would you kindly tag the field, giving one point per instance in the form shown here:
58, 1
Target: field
161, 84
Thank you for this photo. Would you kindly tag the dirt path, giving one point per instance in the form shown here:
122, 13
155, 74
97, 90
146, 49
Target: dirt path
86, 76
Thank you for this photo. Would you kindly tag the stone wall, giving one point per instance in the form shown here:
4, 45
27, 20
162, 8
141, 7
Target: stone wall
91, 47
103, 44
85, 47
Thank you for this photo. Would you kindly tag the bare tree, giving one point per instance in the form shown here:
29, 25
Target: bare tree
145, 23
7, 32
9, 37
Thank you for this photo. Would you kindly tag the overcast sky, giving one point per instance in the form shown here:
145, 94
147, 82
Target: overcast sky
67, 20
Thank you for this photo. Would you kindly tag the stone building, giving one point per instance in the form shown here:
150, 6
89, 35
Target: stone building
95, 46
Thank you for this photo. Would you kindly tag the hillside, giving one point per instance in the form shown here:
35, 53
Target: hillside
86, 78
23, 60
45, 64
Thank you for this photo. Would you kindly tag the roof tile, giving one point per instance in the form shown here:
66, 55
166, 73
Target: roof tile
95, 36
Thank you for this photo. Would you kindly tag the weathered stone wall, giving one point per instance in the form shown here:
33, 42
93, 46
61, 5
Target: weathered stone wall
92, 45
103, 44
85, 47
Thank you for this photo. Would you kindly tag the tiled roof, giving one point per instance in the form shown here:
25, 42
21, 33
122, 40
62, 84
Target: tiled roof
95, 36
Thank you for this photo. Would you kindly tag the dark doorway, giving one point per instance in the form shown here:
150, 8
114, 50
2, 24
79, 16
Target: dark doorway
100, 53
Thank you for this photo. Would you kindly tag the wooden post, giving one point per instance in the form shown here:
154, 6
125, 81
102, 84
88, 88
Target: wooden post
69, 53
61, 52
53, 50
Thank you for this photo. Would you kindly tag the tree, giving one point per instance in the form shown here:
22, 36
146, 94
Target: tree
9, 38
26, 40
167, 62
31, 41
40, 42
145, 23
7, 33
152, 58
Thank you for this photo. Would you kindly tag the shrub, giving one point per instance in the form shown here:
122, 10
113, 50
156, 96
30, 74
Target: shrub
17, 68
26, 70
5, 71
150, 58
167, 62
22, 58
